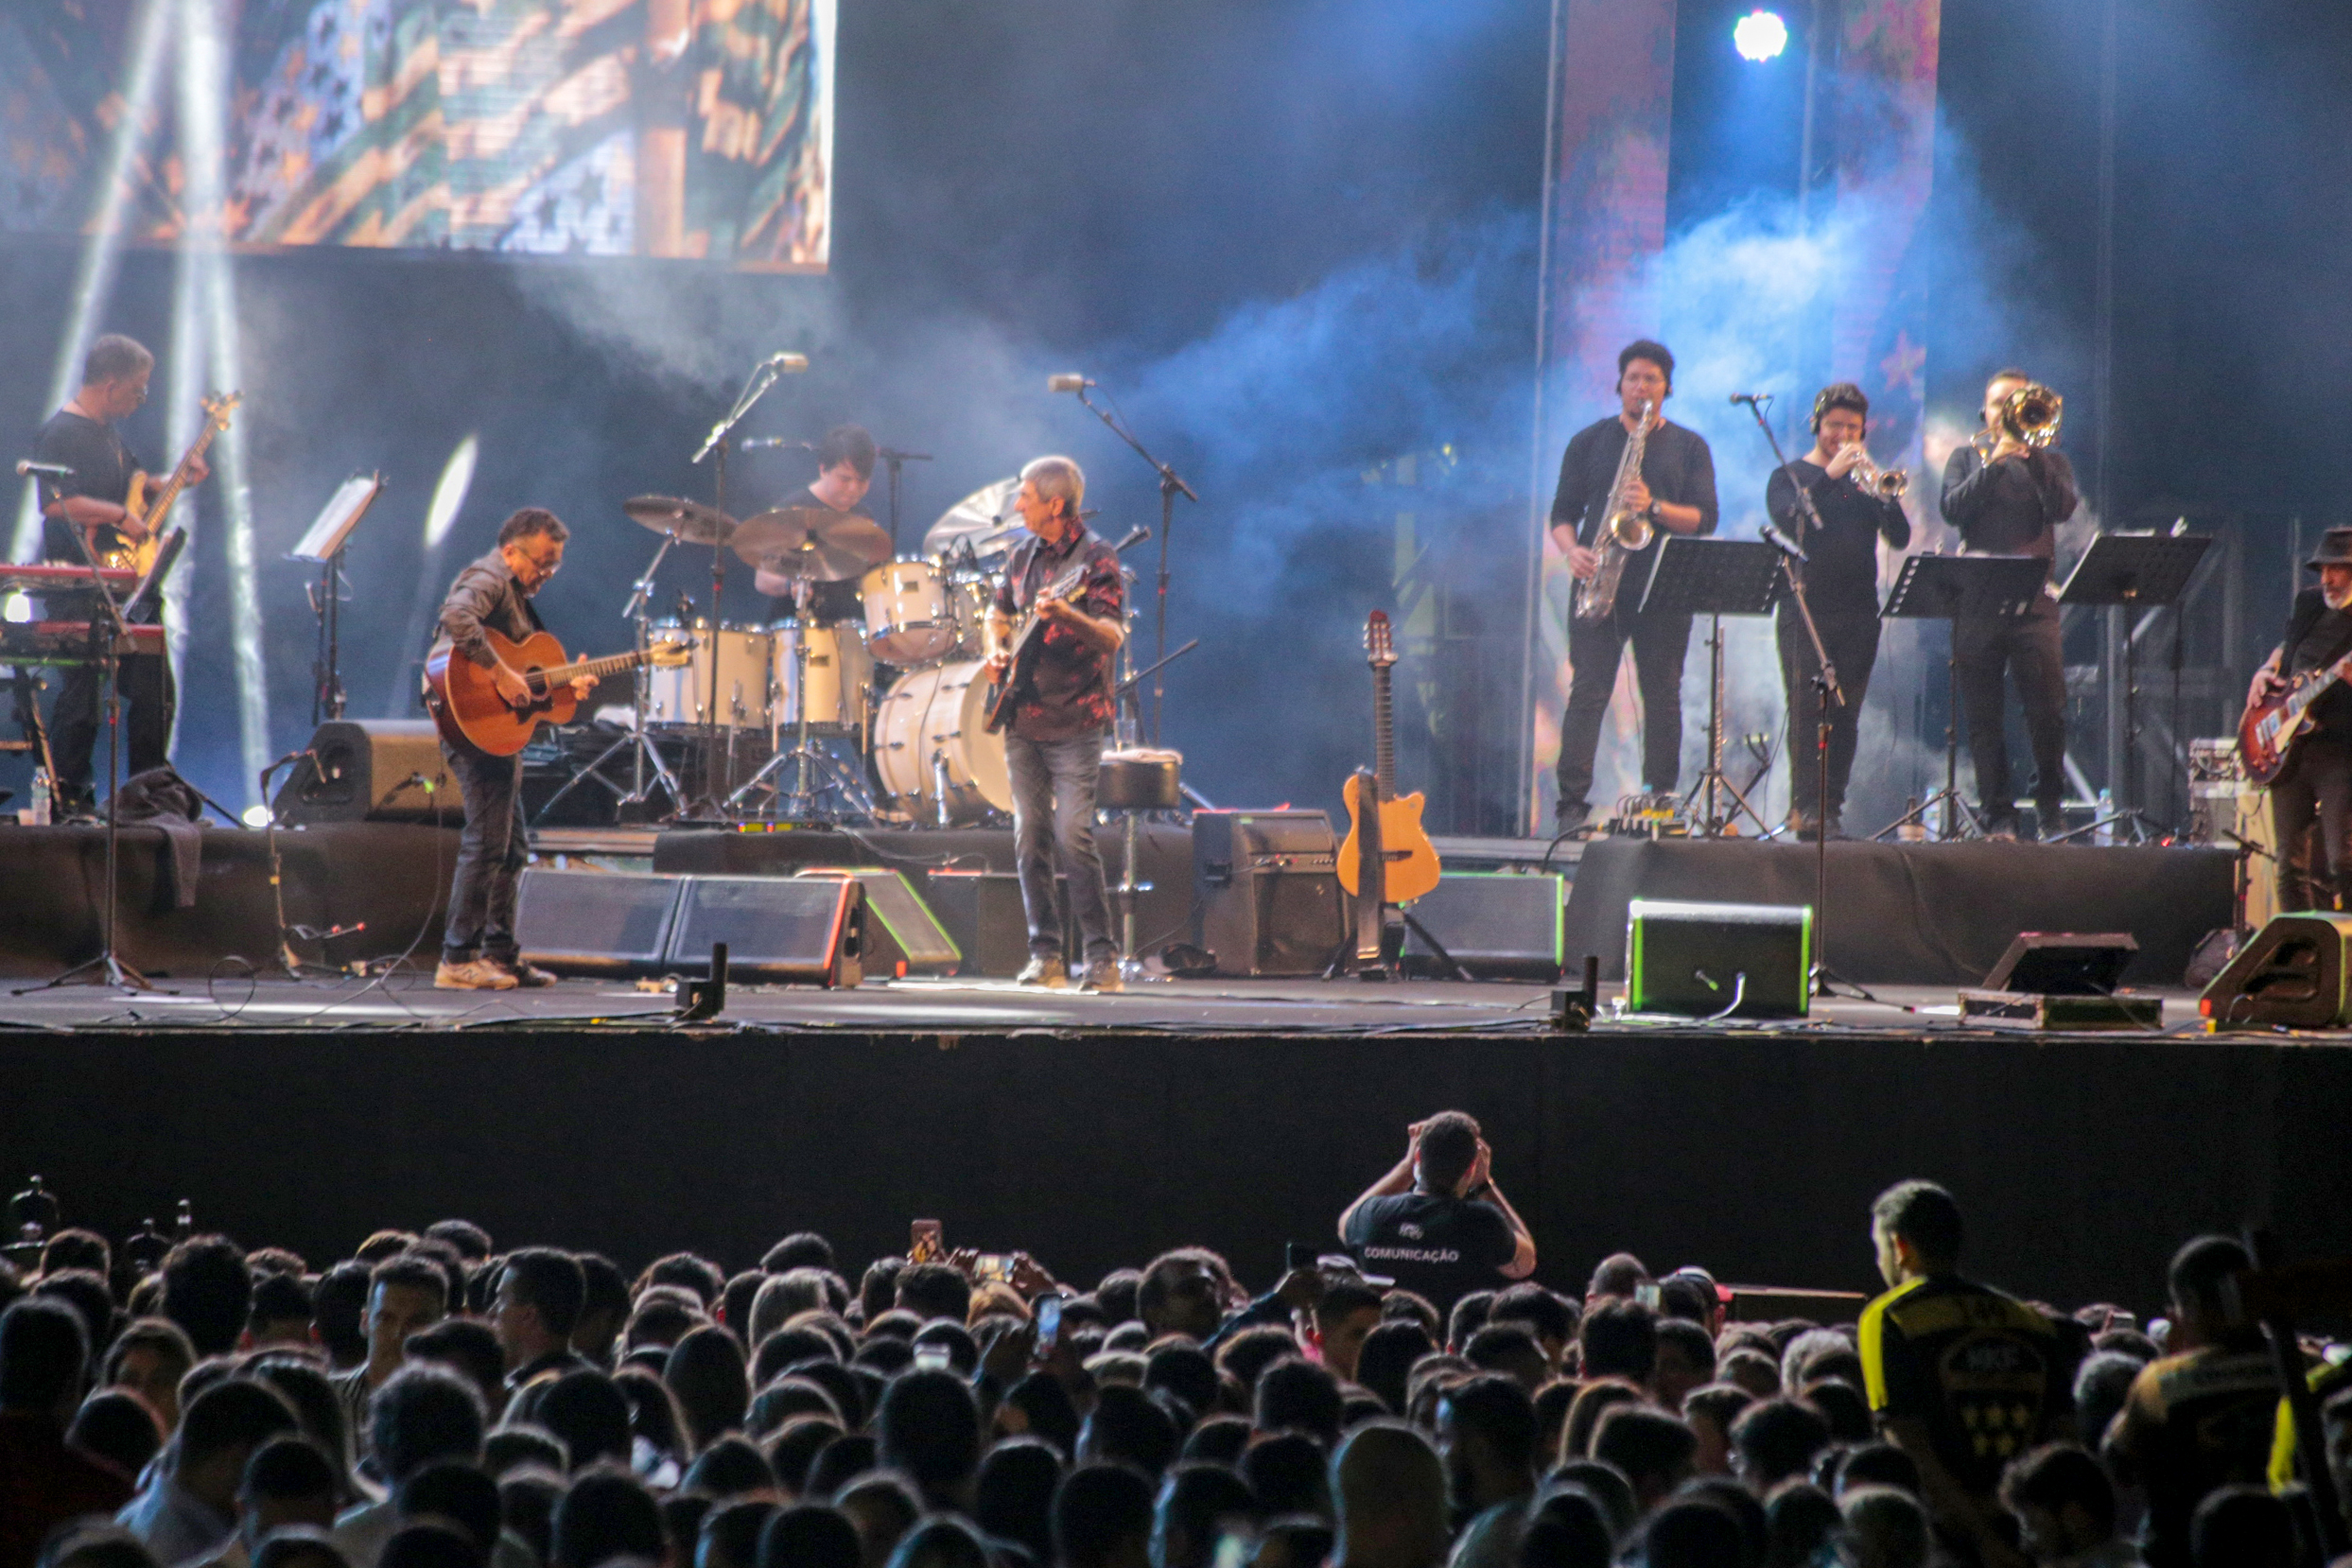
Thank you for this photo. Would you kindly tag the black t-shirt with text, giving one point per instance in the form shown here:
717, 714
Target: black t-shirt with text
1986, 1374
1442, 1247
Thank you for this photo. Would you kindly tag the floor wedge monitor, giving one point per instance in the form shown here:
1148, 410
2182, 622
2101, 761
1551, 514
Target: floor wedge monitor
1696, 960
807, 931
596, 922
2291, 973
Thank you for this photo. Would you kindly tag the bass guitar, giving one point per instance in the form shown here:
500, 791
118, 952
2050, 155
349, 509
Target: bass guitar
1005, 695
152, 504
2268, 733
464, 702
1408, 859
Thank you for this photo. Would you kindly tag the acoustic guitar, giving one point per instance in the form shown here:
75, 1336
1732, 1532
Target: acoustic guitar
464, 702
152, 504
1410, 860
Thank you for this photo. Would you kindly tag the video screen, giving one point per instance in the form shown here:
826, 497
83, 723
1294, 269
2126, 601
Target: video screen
604, 127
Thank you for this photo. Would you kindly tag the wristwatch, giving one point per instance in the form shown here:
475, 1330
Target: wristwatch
1650, 511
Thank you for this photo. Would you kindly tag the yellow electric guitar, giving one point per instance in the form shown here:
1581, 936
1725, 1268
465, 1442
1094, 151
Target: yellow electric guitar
1410, 860
152, 504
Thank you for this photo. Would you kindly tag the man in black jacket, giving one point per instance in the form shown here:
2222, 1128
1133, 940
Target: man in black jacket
2315, 788
478, 948
1676, 490
2009, 501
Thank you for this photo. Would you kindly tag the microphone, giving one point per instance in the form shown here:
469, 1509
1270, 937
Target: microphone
26, 467
790, 364
1067, 383
1135, 535
1781, 542
1752, 397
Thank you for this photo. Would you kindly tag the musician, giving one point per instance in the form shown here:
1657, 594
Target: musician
2008, 501
1676, 488
2315, 787
1053, 745
82, 437
478, 948
845, 473
1841, 585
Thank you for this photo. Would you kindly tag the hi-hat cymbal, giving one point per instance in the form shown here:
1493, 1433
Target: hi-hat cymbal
814, 542
689, 522
985, 518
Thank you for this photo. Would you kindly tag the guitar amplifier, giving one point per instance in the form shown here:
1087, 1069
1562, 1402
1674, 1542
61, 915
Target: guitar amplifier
1266, 891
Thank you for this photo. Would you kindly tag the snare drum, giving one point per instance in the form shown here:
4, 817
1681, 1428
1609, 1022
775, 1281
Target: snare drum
931, 736
678, 697
907, 615
840, 678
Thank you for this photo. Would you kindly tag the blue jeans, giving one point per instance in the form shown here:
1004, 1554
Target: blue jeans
1053, 820
490, 856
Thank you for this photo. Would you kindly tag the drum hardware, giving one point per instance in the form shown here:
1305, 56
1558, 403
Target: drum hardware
691, 522
640, 746
806, 758
895, 462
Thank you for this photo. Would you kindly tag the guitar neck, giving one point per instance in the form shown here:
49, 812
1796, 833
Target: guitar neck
1383, 736
612, 664
179, 481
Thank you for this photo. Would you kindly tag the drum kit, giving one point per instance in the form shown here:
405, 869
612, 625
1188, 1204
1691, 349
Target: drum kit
871, 719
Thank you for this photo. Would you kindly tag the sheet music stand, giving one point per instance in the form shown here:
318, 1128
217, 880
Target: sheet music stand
323, 545
1952, 587
1714, 578
2138, 570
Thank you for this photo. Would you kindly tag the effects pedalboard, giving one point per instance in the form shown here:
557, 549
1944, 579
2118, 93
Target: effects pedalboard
1650, 816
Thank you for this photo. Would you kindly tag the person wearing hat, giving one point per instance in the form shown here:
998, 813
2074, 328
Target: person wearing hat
2315, 788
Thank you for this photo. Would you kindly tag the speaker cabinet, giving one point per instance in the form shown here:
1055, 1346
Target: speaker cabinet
1497, 925
2292, 972
902, 936
1718, 960
1266, 891
2064, 964
807, 931
371, 770
596, 923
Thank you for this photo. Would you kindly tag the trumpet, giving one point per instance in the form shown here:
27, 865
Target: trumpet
1887, 484
2030, 415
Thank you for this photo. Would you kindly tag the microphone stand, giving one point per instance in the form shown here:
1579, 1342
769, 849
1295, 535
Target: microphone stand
896, 462
763, 377
1826, 691
1170, 483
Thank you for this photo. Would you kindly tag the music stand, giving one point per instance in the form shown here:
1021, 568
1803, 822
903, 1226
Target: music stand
2135, 570
323, 546
1714, 578
1952, 587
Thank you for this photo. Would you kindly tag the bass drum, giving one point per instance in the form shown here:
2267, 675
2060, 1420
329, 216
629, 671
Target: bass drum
930, 739
840, 678
677, 697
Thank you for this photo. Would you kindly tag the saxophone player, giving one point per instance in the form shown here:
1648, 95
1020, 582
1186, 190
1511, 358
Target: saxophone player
1673, 492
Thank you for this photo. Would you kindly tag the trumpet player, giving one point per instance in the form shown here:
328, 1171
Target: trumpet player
1858, 505
1674, 493
2006, 492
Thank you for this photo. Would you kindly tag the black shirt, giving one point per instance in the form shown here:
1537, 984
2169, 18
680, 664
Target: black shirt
1675, 465
2013, 507
486, 595
827, 602
2317, 636
2190, 1423
1842, 576
1439, 1246
102, 469
1071, 691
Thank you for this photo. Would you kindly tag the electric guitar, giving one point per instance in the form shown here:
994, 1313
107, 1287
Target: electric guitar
151, 504
1005, 695
464, 702
1408, 860
2268, 733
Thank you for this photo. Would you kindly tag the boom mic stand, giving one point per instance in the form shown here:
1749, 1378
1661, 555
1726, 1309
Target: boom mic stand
897, 460
762, 378
1170, 483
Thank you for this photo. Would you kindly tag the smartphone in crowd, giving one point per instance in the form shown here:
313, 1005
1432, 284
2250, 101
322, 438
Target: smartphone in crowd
1049, 1325
925, 1245
1296, 1256
931, 1357
1648, 1296
993, 1268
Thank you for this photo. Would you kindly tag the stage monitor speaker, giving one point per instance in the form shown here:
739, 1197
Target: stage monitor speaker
371, 770
982, 914
807, 931
902, 936
596, 922
1497, 925
1718, 960
2064, 964
2293, 972
1266, 891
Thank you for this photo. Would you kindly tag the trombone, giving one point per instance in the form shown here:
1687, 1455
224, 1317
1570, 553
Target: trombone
2030, 415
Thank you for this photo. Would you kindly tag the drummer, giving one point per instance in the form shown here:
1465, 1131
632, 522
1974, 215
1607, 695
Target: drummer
844, 472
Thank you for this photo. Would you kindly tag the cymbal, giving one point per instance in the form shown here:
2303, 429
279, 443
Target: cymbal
689, 522
814, 542
985, 518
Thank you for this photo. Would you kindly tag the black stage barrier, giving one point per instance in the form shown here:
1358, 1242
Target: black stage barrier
394, 877
1919, 913
2081, 1162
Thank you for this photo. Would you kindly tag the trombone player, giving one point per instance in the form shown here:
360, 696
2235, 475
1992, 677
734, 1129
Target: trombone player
1858, 505
2006, 492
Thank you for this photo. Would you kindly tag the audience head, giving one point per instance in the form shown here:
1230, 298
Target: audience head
1509, 1349
1619, 1338
729, 1537
944, 1541
208, 1291
1186, 1291
731, 1467
1593, 1401
1620, 1275
928, 1428
116, 1425
1348, 1312
223, 1427
1486, 1436
1103, 1518
1775, 1439
1013, 1495
1693, 1533
1295, 1395
45, 1357
1684, 1360
1389, 1490
880, 1507
1801, 1524
1915, 1227
1198, 1504
1657, 1451
1289, 1472
934, 1289
1550, 1318
422, 1413
2062, 1499
811, 1535
1386, 1363
1885, 1529
285, 1481
1129, 1426
405, 1296
2199, 1271
705, 1374
606, 1513
1445, 1151
150, 1357
539, 1298
1468, 1316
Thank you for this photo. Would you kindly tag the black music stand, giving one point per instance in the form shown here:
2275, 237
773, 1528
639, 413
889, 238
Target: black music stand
1714, 578
2138, 572
1952, 587
323, 546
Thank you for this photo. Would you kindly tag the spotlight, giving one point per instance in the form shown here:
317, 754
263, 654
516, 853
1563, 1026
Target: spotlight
457, 476
256, 816
1760, 36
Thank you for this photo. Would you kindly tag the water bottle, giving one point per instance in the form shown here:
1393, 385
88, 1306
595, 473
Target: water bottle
1915, 828
2106, 831
42, 798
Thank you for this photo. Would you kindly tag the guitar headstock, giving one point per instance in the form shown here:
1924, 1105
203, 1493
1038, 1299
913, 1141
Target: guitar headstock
1378, 651
670, 655
220, 405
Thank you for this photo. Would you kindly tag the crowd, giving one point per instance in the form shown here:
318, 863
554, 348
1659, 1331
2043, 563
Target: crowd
432, 1403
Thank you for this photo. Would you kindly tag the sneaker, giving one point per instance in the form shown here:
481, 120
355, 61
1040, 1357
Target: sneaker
475, 974
1103, 977
1046, 970
529, 976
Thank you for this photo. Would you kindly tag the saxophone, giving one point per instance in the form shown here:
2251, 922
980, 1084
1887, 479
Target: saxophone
1625, 532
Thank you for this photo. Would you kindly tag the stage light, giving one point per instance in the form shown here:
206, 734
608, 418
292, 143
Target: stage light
1760, 36
256, 816
457, 478
16, 609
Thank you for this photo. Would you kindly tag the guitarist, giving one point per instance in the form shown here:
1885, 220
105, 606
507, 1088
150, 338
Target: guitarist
2315, 788
81, 436
1053, 744
478, 950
